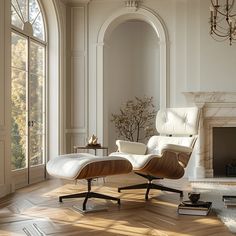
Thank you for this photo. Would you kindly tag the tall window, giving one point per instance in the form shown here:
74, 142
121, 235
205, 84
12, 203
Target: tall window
28, 50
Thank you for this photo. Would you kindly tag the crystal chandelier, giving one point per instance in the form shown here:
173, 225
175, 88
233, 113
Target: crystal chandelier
222, 20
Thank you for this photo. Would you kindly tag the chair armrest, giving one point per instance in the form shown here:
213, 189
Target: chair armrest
131, 147
176, 148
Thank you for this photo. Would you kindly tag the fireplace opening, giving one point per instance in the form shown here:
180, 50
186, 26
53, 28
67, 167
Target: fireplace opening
224, 151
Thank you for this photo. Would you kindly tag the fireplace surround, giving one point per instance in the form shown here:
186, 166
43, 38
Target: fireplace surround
218, 109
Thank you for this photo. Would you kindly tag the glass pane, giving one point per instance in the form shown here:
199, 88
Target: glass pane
18, 52
36, 102
18, 119
15, 19
18, 150
36, 95
33, 10
37, 59
38, 28
23, 5
36, 148
18, 91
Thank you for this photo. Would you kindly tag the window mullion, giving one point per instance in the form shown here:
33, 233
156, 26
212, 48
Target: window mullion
36, 18
20, 10
28, 10
20, 16
27, 109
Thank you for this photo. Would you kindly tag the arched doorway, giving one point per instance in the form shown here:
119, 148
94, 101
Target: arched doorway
127, 14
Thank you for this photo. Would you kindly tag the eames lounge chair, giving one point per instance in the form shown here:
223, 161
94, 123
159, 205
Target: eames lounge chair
166, 155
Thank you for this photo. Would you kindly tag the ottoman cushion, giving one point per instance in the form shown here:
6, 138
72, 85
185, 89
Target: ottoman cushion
86, 166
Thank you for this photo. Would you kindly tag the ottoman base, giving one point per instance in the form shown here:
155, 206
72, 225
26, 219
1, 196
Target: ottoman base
88, 195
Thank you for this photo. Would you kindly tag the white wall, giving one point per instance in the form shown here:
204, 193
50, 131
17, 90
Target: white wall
131, 69
217, 59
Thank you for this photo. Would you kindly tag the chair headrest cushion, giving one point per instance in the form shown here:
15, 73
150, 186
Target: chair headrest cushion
178, 121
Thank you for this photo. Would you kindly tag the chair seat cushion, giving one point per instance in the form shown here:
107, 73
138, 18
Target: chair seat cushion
156, 144
84, 166
138, 161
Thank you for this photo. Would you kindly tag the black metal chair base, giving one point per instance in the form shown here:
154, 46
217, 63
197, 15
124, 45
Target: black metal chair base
88, 195
151, 185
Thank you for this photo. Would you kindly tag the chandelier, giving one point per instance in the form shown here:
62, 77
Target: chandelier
222, 20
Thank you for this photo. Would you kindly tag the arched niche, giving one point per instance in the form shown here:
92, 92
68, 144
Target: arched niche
119, 17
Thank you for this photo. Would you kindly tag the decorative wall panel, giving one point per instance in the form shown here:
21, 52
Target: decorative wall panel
78, 28
77, 96
78, 93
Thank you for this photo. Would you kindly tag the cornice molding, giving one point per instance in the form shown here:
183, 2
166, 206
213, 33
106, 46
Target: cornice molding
75, 1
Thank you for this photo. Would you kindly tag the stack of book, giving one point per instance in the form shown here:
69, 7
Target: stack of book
229, 201
199, 208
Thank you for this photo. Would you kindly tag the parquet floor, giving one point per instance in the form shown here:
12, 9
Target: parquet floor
35, 210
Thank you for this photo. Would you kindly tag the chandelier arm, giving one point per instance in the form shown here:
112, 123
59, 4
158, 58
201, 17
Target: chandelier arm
221, 32
222, 40
220, 35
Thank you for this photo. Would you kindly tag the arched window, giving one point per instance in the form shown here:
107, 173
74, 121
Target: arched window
28, 19
28, 81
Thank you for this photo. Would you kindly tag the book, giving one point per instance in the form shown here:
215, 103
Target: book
229, 201
194, 209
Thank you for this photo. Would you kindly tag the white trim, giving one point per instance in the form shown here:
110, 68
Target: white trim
111, 23
6, 140
61, 75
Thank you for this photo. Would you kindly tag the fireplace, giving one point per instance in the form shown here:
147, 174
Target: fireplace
215, 154
224, 151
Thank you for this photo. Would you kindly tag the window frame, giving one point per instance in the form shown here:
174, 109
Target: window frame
44, 43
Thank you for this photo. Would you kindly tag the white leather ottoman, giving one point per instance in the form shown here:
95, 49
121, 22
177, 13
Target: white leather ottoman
86, 166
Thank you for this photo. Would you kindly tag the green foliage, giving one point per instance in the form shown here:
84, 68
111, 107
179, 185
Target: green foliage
135, 120
18, 153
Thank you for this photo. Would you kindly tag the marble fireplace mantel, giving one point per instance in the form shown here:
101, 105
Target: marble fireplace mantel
218, 109
210, 97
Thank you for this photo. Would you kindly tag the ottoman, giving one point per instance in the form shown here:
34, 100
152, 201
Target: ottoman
86, 166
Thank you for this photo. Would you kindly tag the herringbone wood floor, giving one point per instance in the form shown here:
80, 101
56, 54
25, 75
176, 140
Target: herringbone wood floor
37, 207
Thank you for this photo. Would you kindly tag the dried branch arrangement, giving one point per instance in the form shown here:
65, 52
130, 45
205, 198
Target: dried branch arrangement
136, 119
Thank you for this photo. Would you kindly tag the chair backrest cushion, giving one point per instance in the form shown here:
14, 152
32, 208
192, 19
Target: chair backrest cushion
178, 121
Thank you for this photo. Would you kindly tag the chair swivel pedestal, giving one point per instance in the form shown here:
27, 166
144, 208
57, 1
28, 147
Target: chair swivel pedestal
149, 185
